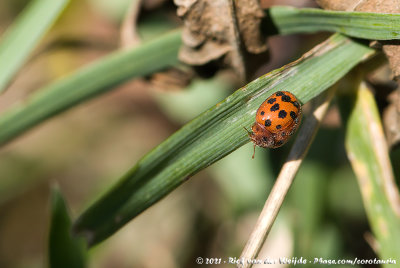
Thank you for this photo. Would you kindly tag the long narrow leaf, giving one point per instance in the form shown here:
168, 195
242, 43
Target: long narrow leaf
21, 38
214, 134
64, 250
114, 69
88, 82
376, 26
368, 154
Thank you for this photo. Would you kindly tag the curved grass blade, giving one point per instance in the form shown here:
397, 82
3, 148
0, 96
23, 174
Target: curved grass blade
108, 72
64, 250
368, 154
21, 38
375, 26
214, 134
88, 82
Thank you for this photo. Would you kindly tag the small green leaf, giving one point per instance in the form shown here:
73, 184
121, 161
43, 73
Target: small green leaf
64, 250
375, 26
21, 38
368, 154
214, 134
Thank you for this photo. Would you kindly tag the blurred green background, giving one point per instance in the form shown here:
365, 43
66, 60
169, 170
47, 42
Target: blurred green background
87, 148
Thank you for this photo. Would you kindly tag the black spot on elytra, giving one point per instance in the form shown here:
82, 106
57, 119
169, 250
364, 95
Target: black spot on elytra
279, 143
282, 114
278, 126
262, 113
293, 115
271, 100
279, 93
275, 107
296, 104
265, 139
286, 98
267, 123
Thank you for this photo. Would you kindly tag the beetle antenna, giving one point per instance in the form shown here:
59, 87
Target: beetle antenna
248, 132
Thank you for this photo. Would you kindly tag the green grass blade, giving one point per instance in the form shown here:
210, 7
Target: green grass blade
214, 134
88, 82
21, 38
375, 26
64, 250
103, 75
368, 154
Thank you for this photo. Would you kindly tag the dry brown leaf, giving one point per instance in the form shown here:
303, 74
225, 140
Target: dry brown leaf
210, 33
392, 52
381, 6
340, 5
391, 119
249, 15
222, 31
173, 79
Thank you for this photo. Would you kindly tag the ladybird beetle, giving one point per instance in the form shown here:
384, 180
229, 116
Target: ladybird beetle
276, 120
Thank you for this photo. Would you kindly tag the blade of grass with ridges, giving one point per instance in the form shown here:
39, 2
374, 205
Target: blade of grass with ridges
367, 150
374, 26
21, 38
64, 249
88, 82
214, 134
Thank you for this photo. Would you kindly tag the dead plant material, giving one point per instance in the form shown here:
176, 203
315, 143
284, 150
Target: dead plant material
173, 79
222, 31
391, 119
339, 5
249, 16
392, 52
390, 48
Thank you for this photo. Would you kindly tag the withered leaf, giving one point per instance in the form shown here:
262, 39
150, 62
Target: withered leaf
391, 119
339, 5
222, 31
